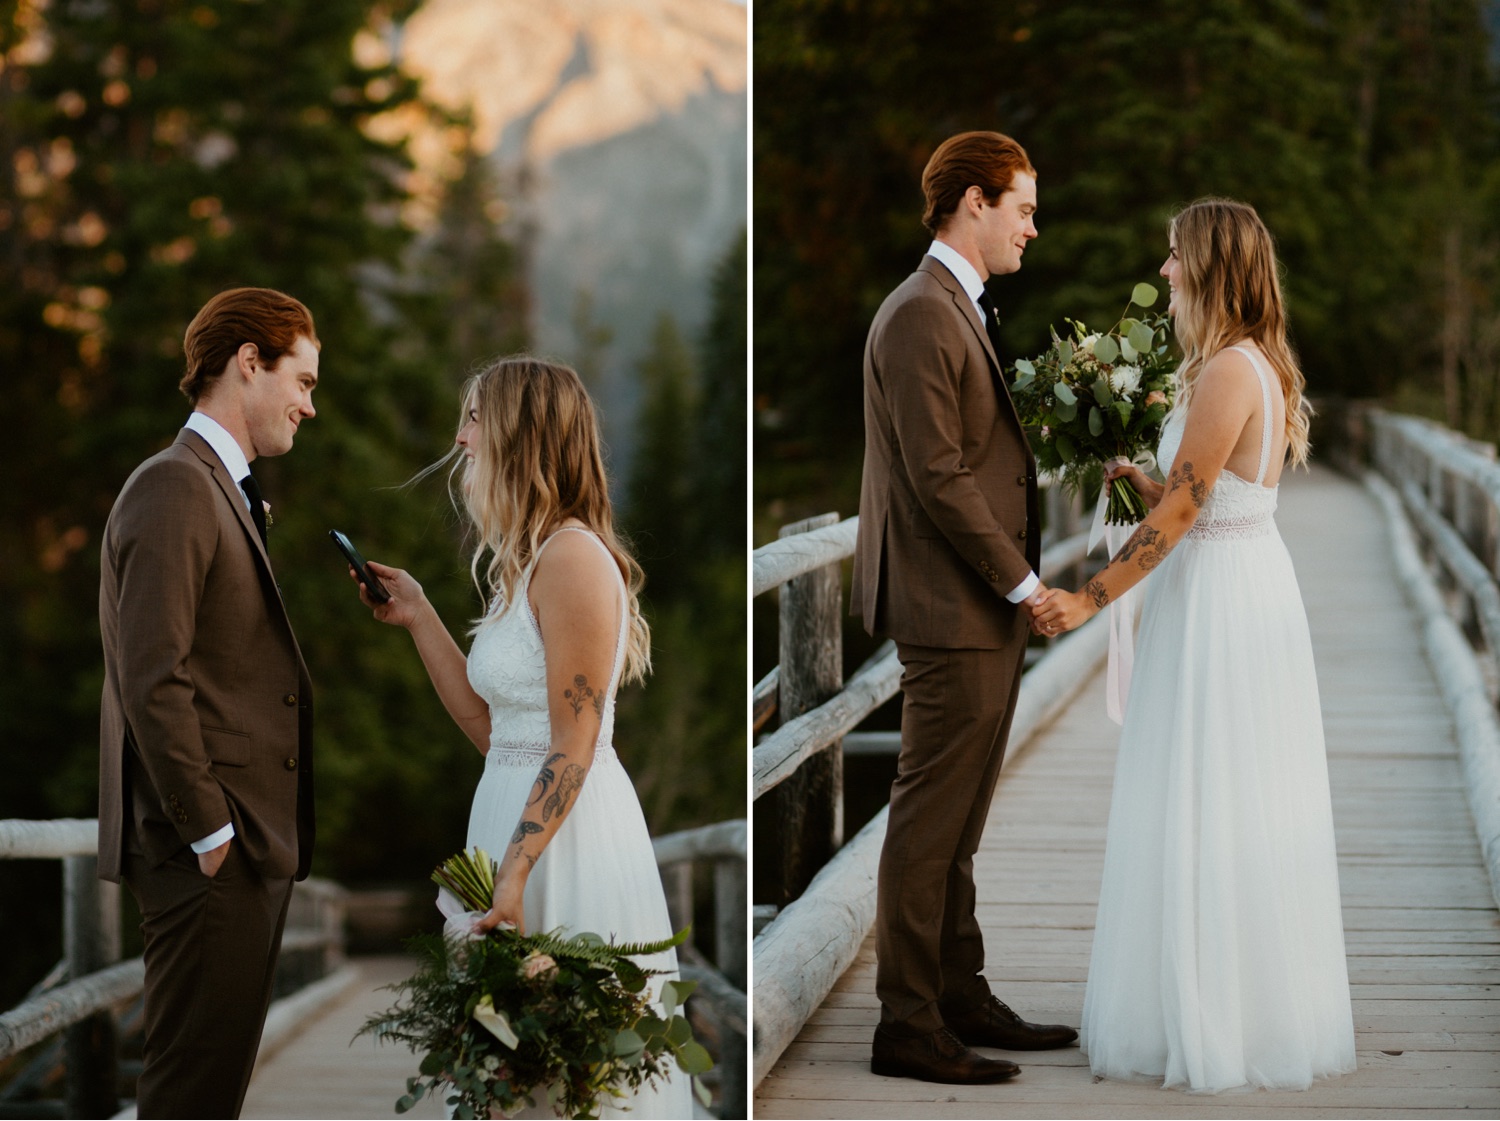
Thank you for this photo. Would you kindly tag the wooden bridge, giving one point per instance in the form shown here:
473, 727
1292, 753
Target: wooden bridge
309, 1065
1407, 672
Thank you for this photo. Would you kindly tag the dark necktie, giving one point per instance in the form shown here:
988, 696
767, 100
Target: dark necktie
257, 506
991, 324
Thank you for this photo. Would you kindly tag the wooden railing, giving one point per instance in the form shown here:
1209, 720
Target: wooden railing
822, 889
1441, 492
721, 987
79, 995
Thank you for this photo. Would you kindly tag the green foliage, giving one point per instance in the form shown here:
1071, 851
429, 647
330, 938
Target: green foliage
507, 1018
683, 735
1364, 133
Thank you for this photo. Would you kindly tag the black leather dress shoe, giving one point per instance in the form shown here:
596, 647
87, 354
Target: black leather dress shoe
938, 1057
992, 1024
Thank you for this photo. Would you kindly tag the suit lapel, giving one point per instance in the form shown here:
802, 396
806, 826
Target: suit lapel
236, 499
970, 314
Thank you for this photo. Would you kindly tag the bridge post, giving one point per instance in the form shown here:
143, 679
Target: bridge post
91, 941
806, 812
730, 911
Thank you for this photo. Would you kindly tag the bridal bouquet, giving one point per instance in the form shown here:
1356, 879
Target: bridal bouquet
1097, 395
502, 1017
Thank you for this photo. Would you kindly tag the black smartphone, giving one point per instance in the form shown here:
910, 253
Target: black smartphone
361, 569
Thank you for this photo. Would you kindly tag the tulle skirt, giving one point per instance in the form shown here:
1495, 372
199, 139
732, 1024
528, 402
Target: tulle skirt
597, 874
1218, 956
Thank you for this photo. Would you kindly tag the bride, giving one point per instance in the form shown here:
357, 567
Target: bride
536, 694
1218, 956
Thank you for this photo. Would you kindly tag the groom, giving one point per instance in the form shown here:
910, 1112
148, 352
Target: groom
205, 775
945, 564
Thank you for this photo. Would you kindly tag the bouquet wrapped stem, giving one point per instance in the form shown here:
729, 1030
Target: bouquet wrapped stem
1126, 506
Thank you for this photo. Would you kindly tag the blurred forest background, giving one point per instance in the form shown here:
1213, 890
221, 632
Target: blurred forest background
1366, 132
155, 152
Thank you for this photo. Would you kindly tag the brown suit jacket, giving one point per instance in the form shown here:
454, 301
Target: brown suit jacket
948, 500
206, 716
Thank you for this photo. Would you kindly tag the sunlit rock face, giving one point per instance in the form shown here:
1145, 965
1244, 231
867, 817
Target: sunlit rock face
625, 122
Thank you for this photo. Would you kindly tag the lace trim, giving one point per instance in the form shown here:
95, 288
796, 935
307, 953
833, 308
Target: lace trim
1234, 529
533, 753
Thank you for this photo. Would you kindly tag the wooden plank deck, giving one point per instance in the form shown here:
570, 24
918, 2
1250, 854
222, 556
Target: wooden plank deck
323, 1071
1421, 927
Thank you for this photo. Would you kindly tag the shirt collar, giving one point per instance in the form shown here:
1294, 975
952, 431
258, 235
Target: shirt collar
962, 271
225, 446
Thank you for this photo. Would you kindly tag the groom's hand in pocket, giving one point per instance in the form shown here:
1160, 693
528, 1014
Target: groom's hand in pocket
211, 861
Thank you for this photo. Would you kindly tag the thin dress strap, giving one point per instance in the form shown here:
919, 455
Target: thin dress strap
614, 677
1265, 419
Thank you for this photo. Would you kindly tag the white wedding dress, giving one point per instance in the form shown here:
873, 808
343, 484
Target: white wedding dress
598, 873
1218, 957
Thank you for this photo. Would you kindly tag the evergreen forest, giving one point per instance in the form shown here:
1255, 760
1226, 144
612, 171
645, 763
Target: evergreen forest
1364, 131
156, 152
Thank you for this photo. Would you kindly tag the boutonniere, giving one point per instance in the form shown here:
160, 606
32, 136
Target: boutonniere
270, 521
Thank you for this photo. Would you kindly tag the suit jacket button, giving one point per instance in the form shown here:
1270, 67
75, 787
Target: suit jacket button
181, 817
290, 700
1022, 535
1020, 480
291, 764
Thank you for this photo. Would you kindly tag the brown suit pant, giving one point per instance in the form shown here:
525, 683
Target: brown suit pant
955, 716
211, 947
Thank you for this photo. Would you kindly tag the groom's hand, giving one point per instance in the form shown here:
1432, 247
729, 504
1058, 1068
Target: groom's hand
209, 862
1035, 600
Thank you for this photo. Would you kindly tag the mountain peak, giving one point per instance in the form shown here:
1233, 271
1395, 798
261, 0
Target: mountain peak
545, 78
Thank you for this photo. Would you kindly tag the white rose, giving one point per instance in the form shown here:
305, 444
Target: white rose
1125, 380
1086, 344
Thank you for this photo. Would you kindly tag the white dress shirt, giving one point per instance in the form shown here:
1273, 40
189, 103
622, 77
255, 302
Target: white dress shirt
973, 287
228, 449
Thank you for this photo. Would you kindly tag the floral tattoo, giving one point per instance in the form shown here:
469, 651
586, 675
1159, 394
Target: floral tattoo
1197, 488
581, 694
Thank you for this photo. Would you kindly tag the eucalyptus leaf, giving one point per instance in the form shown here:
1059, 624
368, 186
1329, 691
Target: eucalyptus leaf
405, 1102
1127, 351
1144, 295
1096, 422
1141, 338
1067, 451
628, 1044
1066, 412
1064, 352
1024, 366
1102, 392
1124, 408
1064, 393
1023, 381
693, 1059
1106, 350
680, 1031
432, 1064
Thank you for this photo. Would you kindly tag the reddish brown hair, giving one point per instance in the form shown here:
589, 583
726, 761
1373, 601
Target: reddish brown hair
987, 160
272, 320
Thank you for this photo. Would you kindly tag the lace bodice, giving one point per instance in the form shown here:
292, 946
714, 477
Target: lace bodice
1236, 508
508, 668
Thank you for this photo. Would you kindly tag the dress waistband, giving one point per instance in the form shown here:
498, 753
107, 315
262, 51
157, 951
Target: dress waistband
533, 753
1235, 529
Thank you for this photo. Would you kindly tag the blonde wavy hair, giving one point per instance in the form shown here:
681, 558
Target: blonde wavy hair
1229, 292
537, 463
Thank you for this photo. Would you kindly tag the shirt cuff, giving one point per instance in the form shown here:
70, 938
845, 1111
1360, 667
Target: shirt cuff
217, 838
1023, 590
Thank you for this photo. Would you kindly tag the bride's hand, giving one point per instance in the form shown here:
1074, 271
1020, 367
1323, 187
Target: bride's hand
1063, 611
505, 904
406, 595
1121, 467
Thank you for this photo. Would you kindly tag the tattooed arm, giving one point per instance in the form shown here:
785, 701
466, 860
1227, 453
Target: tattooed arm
577, 603
1225, 401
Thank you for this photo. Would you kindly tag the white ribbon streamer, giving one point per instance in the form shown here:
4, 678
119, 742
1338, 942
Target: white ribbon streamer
1122, 610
